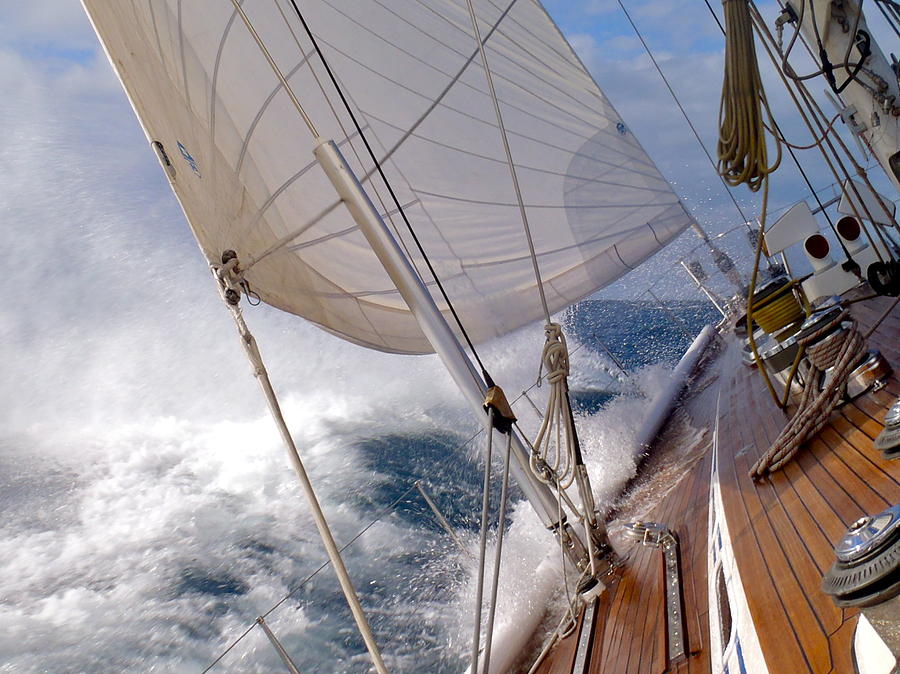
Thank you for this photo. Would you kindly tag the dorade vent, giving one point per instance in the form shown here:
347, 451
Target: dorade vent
817, 248
849, 229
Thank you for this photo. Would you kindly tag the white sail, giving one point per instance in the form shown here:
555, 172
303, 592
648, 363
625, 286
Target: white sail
246, 177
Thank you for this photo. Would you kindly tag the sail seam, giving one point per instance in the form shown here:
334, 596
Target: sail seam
463, 83
390, 189
565, 207
608, 129
187, 92
514, 64
526, 167
262, 110
214, 84
337, 118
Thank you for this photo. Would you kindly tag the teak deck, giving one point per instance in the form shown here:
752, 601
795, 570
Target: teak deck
783, 530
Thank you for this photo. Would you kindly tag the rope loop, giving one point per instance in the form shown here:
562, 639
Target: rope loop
555, 446
555, 357
840, 351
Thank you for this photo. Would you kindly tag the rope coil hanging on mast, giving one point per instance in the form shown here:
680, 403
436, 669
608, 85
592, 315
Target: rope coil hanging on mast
743, 157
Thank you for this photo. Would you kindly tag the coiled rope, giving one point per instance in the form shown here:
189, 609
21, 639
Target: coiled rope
554, 444
842, 352
743, 157
780, 312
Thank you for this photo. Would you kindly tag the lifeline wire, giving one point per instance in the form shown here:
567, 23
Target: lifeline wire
290, 594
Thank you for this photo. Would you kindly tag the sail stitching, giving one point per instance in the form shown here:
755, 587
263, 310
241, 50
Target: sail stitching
390, 189
340, 122
187, 91
605, 130
527, 167
463, 83
262, 109
514, 64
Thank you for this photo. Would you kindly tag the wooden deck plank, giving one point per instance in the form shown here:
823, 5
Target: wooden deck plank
757, 582
776, 579
783, 530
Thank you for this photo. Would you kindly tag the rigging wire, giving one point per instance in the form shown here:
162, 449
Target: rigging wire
789, 148
384, 208
684, 112
890, 17
815, 112
390, 189
860, 171
509, 159
312, 575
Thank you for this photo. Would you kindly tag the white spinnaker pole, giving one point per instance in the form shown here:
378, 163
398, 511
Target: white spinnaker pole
429, 317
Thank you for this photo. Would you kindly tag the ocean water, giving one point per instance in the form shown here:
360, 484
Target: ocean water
150, 542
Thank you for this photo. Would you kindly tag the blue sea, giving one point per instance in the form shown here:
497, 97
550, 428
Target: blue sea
153, 544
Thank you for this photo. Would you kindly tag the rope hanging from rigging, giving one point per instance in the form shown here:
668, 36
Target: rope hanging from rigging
555, 451
743, 156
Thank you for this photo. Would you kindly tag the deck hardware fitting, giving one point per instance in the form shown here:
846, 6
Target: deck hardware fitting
584, 639
867, 566
888, 441
655, 535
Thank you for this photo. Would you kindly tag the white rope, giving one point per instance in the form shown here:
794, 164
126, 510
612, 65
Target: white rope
553, 456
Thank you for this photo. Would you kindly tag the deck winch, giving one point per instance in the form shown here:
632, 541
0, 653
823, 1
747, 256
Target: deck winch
888, 441
867, 569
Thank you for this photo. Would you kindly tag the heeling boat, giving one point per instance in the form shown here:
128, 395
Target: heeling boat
773, 548
408, 179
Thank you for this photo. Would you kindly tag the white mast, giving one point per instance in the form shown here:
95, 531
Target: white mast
868, 85
439, 334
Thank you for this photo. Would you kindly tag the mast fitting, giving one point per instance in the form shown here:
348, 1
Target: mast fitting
504, 418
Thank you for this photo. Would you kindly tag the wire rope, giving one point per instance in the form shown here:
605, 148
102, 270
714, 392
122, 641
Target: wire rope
509, 159
397, 204
312, 575
684, 112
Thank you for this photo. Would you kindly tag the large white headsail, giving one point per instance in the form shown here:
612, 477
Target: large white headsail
246, 177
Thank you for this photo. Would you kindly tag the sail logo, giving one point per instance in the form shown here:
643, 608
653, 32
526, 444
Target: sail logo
189, 159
